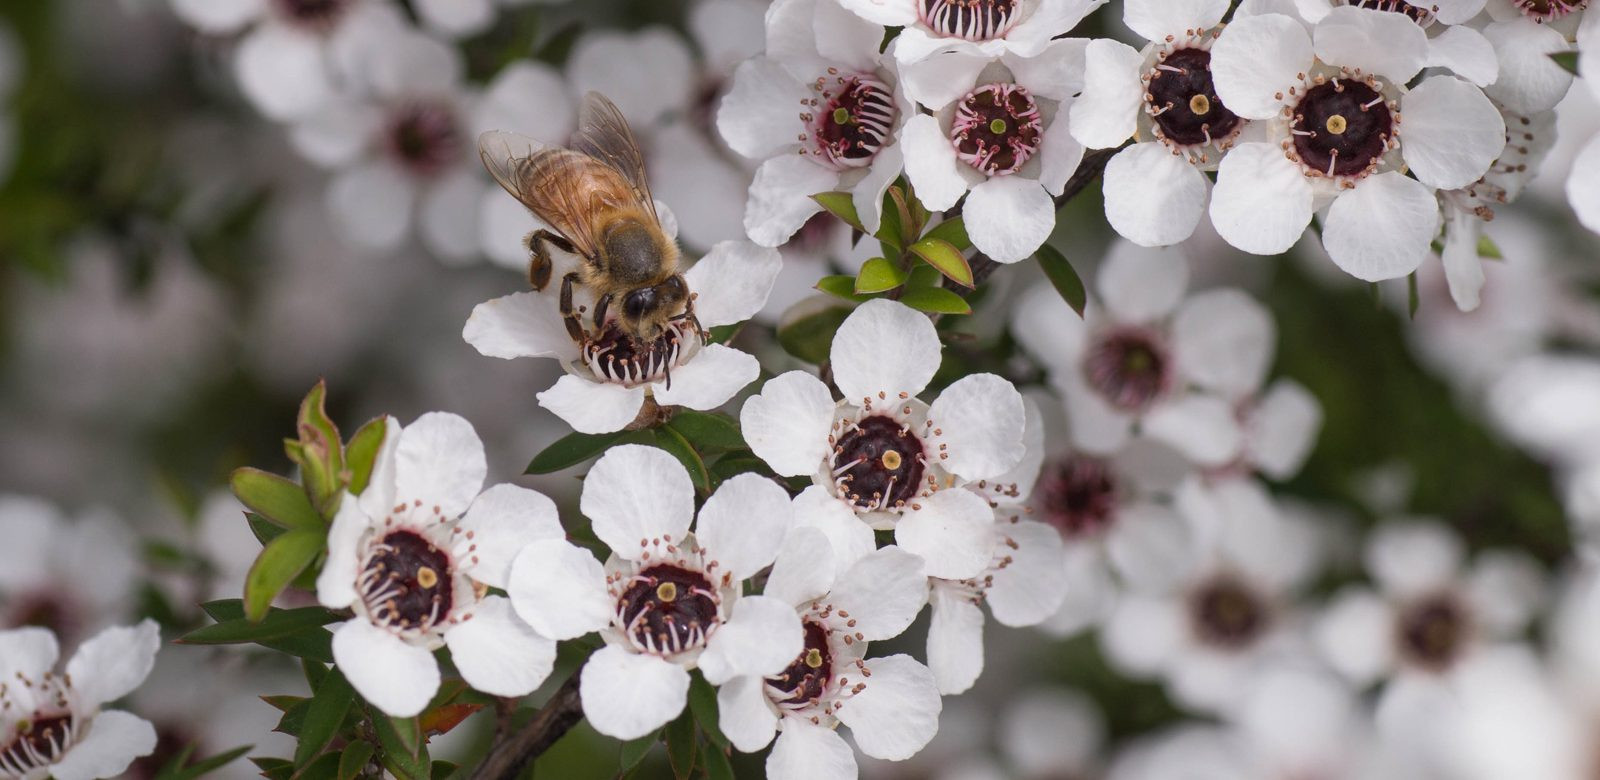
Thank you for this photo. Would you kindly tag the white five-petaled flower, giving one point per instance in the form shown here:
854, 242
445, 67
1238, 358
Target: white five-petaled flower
980, 28
1002, 134
607, 379
73, 577
823, 109
51, 723
884, 455
414, 556
890, 704
1335, 94
668, 599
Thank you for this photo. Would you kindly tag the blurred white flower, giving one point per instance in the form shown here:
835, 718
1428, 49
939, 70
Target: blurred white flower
414, 555
1583, 183
72, 577
52, 722
211, 698
669, 599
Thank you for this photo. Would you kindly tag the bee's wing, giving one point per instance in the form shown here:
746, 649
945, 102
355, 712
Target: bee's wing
603, 134
542, 177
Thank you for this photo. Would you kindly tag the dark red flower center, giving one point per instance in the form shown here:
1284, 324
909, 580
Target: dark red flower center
668, 609
1433, 631
806, 678
878, 464
1546, 10
36, 743
424, 137
850, 120
1183, 101
1226, 613
406, 583
973, 20
317, 14
1418, 14
996, 128
1129, 368
1342, 128
46, 607
615, 356
1078, 496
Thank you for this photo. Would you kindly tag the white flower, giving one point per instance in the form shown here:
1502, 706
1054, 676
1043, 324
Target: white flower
822, 109
979, 28
51, 723
1524, 33
668, 599
414, 555
1583, 183
1335, 94
73, 578
1451, 42
463, 18
890, 704
1147, 359
1003, 135
605, 388
885, 456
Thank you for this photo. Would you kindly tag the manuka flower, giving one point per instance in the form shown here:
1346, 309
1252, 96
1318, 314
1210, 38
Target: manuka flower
414, 556
883, 454
72, 577
608, 377
669, 599
51, 724
981, 28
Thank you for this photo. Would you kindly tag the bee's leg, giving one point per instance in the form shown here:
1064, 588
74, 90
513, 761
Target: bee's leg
539, 262
600, 307
574, 326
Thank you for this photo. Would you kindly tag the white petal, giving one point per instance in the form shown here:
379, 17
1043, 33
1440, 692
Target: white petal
499, 654
1153, 196
113, 663
805, 567
396, 677
1030, 588
500, 522
939, 79
884, 347
780, 197
281, 71
635, 494
1530, 82
1094, 425
1202, 427
456, 18
1256, 61
113, 741
1104, 115
889, 13
502, 224
1089, 591
30, 651
440, 462
1223, 341
559, 589
787, 423
646, 73
592, 407
1048, 329
761, 639
1454, 12
1507, 590
744, 715
524, 324
449, 215
371, 205
1056, 72
897, 714
867, 194
1583, 184
1009, 217
1282, 429
1355, 635
1466, 52
1381, 229
708, 189
760, 114
218, 16
1143, 635
336, 133
1453, 133
715, 374
1059, 156
883, 592
1262, 202
1158, 19
1463, 269
978, 422
530, 98
336, 584
846, 38
808, 752
816, 508
378, 499
1408, 559
950, 530
955, 641
1140, 285
1150, 547
626, 695
1387, 44
727, 32
741, 526
932, 167
732, 281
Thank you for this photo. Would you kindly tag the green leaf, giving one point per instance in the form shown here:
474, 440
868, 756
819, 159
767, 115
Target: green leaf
324, 717
314, 672
361, 454
673, 442
443, 769
911, 214
1567, 60
1063, 277
703, 703
294, 718
634, 750
707, 430
842, 286
403, 751
924, 275
841, 205
810, 337
274, 498
224, 609
278, 564
179, 769
273, 768
878, 275
952, 231
1413, 301
944, 256
265, 530
321, 452
1488, 249
717, 764
935, 299
297, 632
681, 744
570, 450
353, 761
891, 233
325, 767
736, 463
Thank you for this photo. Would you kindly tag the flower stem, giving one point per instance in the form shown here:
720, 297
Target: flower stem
514, 751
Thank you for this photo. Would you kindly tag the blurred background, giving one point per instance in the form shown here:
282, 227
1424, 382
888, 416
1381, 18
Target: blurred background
187, 244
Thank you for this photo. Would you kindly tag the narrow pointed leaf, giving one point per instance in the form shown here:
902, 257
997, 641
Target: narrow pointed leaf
362, 453
944, 256
878, 275
571, 450
843, 286
1063, 277
841, 205
324, 717
353, 761
278, 564
707, 430
936, 300
274, 498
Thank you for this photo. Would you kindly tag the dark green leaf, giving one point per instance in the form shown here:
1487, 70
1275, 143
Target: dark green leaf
324, 717
842, 286
891, 233
878, 275
681, 745
707, 430
274, 498
952, 231
224, 609
278, 564
924, 275
703, 703
935, 299
944, 256
179, 771
673, 442
634, 750
717, 765
1412, 300
315, 672
265, 530
403, 751
326, 767
361, 454
810, 337
1063, 277
294, 718
736, 463
297, 632
572, 449
841, 205
353, 761
273, 768
1567, 60
443, 769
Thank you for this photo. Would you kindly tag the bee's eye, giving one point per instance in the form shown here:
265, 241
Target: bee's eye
639, 302
674, 287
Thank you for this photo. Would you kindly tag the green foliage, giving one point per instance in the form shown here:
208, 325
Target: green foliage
298, 632
841, 205
1063, 277
324, 717
275, 499
945, 257
179, 767
571, 450
707, 431
936, 300
280, 562
878, 275
810, 337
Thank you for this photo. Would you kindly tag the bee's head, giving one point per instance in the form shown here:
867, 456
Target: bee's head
646, 310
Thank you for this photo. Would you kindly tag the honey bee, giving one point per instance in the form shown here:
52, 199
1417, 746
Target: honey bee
595, 199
